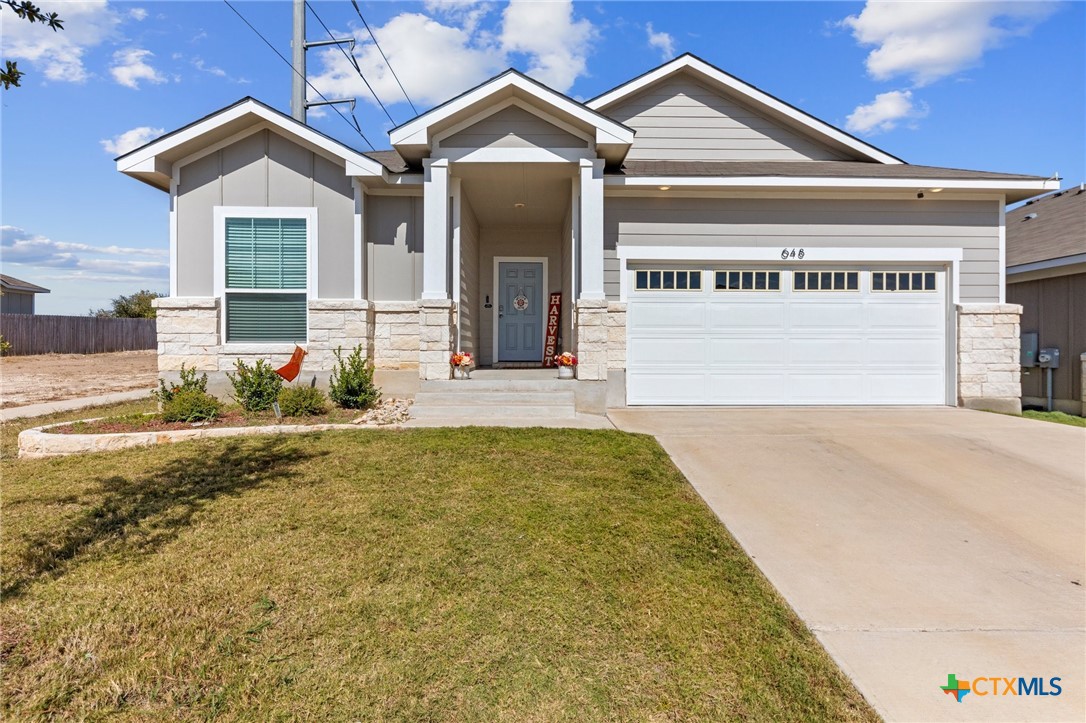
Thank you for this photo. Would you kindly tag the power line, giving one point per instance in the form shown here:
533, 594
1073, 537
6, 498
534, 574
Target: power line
382, 52
354, 126
351, 59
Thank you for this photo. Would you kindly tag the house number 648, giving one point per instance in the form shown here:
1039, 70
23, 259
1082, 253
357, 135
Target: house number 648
792, 254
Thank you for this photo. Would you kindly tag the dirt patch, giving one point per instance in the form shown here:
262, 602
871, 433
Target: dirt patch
54, 377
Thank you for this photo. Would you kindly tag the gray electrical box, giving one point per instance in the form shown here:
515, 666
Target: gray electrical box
1049, 358
1029, 349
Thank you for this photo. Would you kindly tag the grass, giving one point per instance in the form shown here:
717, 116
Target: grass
1057, 417
468, 574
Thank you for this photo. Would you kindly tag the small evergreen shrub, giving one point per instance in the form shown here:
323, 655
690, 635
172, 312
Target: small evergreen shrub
255, 387
5, 346
191, 405
302, 401
189, 382
351, 385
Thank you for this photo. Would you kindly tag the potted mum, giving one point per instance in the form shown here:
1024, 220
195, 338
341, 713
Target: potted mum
566, 363
461, 363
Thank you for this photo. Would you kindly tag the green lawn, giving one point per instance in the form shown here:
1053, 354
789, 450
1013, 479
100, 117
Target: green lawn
472, 574
1057, 417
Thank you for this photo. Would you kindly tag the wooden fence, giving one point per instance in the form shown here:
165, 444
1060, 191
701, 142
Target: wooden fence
38, 334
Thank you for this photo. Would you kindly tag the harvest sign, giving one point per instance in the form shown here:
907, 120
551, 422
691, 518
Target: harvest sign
554, 313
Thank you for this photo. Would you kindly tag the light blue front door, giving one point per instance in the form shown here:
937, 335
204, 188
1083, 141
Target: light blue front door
521, 313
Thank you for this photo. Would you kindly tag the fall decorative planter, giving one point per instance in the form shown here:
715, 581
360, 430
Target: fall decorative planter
566, 363
461, 363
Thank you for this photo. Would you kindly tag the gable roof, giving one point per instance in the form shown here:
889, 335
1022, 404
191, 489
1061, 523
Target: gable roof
153, 162
769, 104
414, 138
1050, 227
14, 284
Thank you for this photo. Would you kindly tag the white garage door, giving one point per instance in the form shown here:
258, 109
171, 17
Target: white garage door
804, 336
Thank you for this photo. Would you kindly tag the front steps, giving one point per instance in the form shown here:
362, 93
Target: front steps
491, 400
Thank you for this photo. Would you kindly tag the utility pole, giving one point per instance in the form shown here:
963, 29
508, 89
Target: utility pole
298, 103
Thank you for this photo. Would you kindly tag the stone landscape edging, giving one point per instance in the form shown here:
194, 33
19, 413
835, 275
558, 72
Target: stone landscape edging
38, 442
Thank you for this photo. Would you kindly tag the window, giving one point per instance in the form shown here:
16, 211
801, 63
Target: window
747, 281
266, 279
826, 280
660, 280
903, 281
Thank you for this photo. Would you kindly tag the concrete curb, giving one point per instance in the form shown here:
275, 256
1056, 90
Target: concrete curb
38, 442
68, 405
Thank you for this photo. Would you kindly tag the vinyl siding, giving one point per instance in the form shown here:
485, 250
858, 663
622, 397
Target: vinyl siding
394, 247
471, 302
513, 127
264, 169
970, 225
17, 302
678, 119
1054, 308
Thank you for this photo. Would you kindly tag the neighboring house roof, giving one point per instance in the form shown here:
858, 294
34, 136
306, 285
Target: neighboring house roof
414, 138
14, 284
152, 163
765, 102
1047, 228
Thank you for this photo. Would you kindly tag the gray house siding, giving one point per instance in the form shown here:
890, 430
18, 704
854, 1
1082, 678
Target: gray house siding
394, 247
513, 127
17, 302
264, 169
970, 225
679, 119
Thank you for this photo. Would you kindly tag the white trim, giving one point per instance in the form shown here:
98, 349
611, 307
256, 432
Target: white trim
359, 236
507, 103
543, 299
435, 230
750, 93
513, 155
457, 200
607, 131
952, 257
914, 184
175, 182
1002, 251
1047, 264
591, 263
220, 214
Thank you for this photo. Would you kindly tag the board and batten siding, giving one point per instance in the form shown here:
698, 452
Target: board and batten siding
394, 248
513, 127
679, 119
810, 223
264, 169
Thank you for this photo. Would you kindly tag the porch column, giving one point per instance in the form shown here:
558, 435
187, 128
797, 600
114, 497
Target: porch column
435, 230
591, 236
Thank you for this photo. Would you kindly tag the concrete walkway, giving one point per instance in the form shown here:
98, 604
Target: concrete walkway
67, 405
915, 543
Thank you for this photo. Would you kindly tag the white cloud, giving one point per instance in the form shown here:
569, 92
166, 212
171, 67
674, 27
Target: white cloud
557, 45
926, 41
199, 64
79, 260
138, 14
437, 59
130, 66
59, 54
885, 112
129, 140
661, 41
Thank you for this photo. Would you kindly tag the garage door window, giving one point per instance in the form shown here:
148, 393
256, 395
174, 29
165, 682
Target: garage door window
747, 281
826, 280
668, 280
902, 281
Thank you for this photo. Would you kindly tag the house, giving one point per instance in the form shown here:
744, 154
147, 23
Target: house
17, 296
711, 244
1046, 275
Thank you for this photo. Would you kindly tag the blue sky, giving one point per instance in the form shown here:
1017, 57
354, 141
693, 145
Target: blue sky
982, 85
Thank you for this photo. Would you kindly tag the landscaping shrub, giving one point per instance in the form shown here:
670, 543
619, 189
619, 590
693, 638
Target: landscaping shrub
303, 401
191, 405
255, 387
5, 346
351, 385
189, 382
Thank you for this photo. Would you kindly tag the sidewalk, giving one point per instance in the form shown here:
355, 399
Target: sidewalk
67, 405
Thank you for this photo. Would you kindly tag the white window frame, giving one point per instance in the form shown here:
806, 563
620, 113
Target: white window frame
676, 289
220, 214
820, 290
767, 290
899, 290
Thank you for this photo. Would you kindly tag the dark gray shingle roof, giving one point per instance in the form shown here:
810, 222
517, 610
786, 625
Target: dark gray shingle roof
10, 282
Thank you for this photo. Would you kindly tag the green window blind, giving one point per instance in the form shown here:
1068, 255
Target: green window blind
265, 253
265, 318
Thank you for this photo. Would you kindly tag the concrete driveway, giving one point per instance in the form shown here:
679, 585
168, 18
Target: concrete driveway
915, 543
